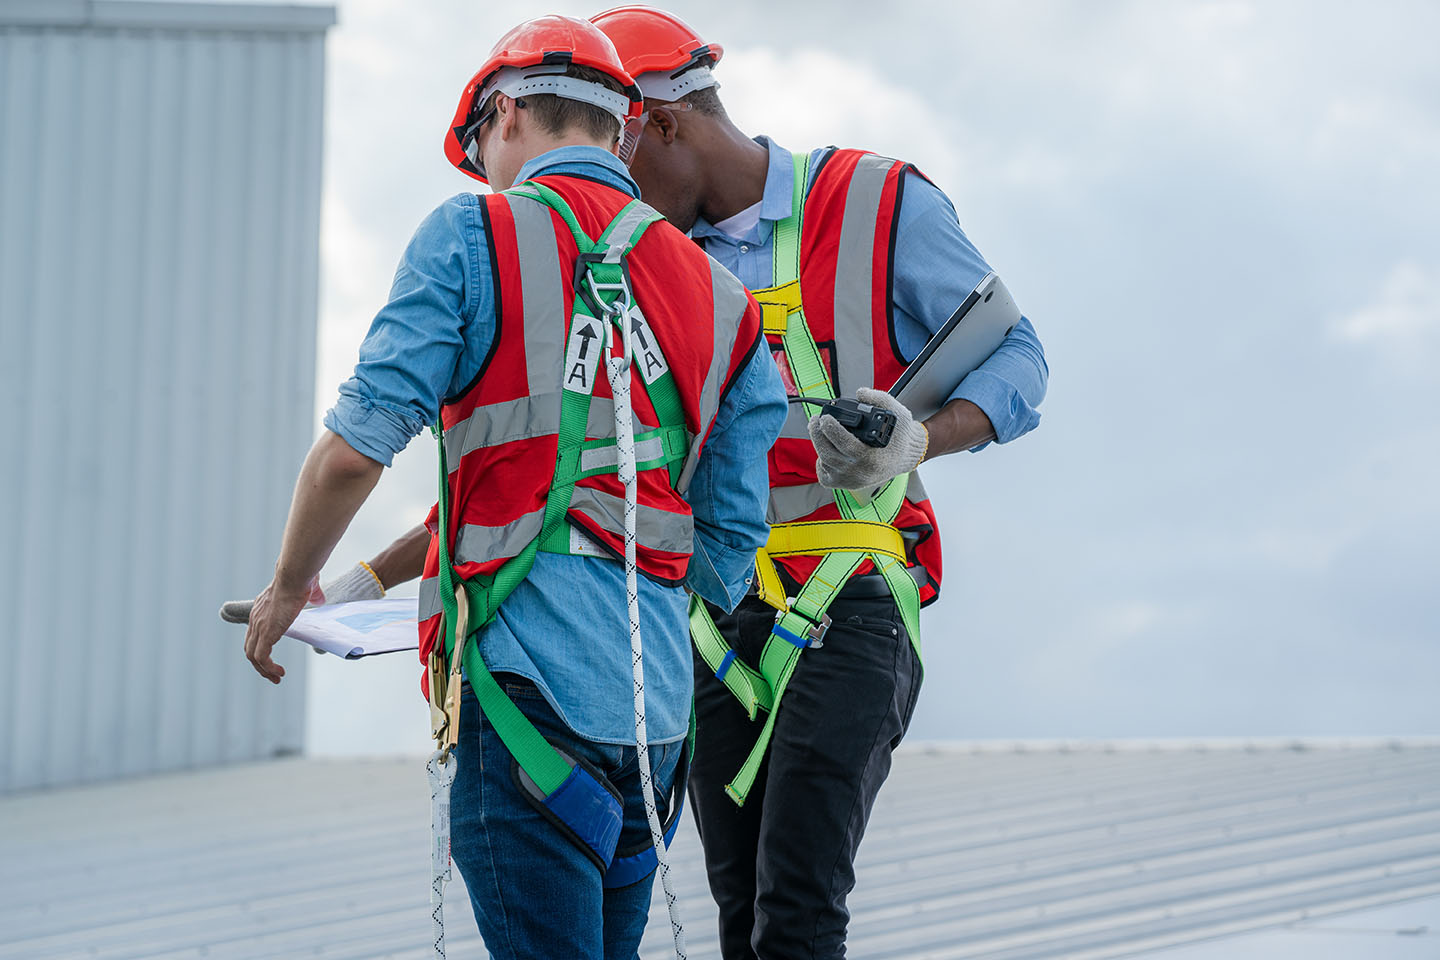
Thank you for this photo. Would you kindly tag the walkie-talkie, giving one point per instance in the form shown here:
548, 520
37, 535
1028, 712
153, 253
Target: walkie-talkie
871, 425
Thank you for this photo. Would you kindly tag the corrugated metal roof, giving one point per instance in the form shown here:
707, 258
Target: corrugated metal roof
998, 854
1396, 931
159, 262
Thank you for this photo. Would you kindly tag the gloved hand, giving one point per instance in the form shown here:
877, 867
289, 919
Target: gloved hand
846, 463
357, 583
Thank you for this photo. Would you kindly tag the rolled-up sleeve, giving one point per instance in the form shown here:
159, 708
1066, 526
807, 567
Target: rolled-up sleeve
1010, 385
417, 342
731, 486
936, 267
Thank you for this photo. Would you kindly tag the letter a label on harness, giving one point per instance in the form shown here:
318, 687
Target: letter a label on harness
647, 349
582, 354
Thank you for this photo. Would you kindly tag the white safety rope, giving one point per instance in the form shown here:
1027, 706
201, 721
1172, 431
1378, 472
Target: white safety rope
618, 369
442, 773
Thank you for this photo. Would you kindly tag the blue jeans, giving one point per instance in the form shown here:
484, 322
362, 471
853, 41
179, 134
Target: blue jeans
535, 894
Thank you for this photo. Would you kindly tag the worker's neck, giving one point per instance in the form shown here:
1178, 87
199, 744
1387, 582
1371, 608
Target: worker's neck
538, 143
735, 172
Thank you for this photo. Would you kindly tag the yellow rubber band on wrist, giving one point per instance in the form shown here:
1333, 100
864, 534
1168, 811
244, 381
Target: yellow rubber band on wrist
372, 573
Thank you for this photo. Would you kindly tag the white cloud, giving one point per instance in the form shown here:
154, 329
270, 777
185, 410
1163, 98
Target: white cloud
1218, 15
1393, 136
1406, 311
807, 97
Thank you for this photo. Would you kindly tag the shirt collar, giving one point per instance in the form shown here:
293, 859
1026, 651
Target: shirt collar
776, 200
581, 160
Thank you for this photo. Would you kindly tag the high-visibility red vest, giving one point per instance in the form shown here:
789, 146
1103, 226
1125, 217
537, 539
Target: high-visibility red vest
847, 255
501, 432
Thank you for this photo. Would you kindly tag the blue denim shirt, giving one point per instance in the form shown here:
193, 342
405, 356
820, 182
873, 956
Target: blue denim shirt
936, 267
565, 627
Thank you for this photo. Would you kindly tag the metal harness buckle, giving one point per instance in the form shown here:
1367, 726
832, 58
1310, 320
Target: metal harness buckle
446, 681
818, 628
590, 289
617, 310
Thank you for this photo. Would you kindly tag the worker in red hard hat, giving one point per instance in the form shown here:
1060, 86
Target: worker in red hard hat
536, 329
857, 261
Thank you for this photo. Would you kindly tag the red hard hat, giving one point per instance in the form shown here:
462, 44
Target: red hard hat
650, 39
553, 41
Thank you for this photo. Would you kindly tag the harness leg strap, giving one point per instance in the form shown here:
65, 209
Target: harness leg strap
780, 655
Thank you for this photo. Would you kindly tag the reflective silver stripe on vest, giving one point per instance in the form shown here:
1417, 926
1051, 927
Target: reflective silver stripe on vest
623, 229
915, 490
654, 528
788, 504
595, 457
854, 271
542, 287
730, 302
429, 604
476, 544
522, 419
792, 503
493, 424
797, 423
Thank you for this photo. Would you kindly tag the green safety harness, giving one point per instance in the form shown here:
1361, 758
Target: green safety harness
568, 790
865, 531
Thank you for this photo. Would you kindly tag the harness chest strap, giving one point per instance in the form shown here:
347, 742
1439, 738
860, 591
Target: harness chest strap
776, 305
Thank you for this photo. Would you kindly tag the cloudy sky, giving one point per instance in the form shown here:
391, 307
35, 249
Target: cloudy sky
1221, 217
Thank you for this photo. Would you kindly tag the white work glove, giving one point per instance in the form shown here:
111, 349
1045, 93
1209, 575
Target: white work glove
357, 583
845, 462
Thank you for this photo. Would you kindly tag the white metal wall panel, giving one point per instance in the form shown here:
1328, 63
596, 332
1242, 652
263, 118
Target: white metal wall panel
159, 221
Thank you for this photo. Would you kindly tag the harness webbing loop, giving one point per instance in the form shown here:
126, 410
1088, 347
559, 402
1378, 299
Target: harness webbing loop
776, 305
768, 586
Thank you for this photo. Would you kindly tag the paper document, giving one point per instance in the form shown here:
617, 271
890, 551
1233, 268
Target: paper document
359, 629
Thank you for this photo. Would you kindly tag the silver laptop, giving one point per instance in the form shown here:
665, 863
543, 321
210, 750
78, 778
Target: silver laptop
965, 341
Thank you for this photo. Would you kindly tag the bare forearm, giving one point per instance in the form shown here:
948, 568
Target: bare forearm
404, 559
959, 425
333, 483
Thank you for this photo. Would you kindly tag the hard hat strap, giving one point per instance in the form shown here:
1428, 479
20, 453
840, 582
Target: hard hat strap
659, 85
517, 82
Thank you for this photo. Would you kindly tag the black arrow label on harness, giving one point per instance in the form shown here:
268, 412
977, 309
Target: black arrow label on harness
580, 363
586, 334
647, 349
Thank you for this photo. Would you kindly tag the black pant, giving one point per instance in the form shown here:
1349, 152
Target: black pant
781, 866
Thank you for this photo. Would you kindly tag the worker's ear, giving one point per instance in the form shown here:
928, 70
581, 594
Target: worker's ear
507, 116
666, 123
